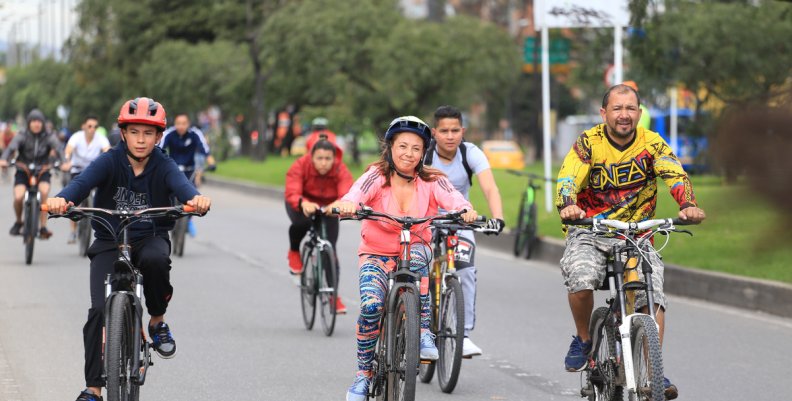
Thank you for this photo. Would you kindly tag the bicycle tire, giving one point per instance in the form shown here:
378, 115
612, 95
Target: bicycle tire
308, 287
427, 369
179, 234
603, 334
402, 376
452, 334
530, 232
647, 360
519, 236
31, 229
84, 236
328, 289
119, 350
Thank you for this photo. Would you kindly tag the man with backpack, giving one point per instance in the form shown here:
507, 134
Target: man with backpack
460, 161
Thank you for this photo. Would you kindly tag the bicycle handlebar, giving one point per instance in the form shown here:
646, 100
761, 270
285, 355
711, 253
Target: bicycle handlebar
76, 211
631, 226
367, 213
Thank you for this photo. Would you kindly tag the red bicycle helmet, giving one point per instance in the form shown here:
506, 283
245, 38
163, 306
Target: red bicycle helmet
142, 110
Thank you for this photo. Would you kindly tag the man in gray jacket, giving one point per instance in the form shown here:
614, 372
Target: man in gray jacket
32, 145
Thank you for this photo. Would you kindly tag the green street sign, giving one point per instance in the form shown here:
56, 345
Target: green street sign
559, 51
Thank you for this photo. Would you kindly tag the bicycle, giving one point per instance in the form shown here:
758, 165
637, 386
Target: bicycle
448, 306
396, 357
626, 352
30, 205
179, 232
320, 276
525, 233
126, 351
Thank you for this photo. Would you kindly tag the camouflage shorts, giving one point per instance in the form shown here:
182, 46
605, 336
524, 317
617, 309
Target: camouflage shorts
583, 265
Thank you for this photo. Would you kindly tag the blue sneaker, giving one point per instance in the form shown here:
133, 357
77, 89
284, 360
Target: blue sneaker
428, 349
162, 340
577, 356
671, 391
358, 391
191, 228
87, 395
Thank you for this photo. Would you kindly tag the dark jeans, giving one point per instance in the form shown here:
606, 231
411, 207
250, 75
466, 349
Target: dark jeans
301, 224
152, 257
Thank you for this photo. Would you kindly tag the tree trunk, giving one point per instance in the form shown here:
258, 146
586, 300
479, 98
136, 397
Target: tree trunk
258, 120
436, 10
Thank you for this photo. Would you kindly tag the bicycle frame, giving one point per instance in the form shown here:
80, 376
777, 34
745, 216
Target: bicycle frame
317, 239
400, 279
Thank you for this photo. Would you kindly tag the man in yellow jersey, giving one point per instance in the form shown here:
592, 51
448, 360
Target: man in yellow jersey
611, 172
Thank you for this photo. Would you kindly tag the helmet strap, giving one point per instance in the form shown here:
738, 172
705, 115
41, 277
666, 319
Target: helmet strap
389, 158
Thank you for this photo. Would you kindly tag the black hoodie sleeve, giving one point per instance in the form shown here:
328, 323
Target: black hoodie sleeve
80, 187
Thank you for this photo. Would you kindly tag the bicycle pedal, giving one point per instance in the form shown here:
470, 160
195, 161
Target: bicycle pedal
426, 362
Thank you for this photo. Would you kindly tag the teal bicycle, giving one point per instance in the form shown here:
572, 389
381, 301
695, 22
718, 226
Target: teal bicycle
525, 238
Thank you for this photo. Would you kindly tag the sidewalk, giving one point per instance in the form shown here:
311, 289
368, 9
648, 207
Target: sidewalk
747, 293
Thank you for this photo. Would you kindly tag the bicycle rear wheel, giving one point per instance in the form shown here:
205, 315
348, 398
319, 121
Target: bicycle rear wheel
308, 286
402, 376
31, 229
120, 350
451, 335
647, 360
178, 235
328, 289
530, 233
603, 381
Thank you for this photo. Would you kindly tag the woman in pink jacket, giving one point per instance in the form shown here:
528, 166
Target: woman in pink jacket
397, 184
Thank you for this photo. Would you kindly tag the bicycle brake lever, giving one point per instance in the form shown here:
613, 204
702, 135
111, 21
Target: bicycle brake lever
685, 231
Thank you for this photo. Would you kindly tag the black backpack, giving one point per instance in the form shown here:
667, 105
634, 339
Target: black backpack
429, 156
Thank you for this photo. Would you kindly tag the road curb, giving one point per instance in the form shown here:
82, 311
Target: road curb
746, 293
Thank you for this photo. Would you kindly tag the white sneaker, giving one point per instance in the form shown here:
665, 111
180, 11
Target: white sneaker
469, 349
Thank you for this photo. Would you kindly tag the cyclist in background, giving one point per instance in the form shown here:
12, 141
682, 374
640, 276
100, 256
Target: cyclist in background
32, 145
84, 147
182, 142
319, 127
133, 175
397, 184
646, 117
316, 179
587, 187
461, 160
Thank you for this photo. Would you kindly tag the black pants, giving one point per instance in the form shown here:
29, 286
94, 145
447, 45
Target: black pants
301, 224
152, 257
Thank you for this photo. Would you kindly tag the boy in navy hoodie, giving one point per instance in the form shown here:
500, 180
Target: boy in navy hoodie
134, 175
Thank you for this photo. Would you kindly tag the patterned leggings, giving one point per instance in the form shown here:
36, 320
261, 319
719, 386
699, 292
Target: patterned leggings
373, 287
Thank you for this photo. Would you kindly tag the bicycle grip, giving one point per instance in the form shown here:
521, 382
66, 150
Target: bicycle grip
44, 208
578, 222
188, 209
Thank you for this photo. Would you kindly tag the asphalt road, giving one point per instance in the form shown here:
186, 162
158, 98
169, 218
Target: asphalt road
236, 317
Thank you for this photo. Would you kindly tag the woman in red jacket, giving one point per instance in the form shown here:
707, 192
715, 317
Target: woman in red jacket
314, 180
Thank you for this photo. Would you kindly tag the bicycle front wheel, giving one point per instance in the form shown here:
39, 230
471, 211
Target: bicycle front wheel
647, 360
452, 333
602, 379
328, 289
31, 229
402, 376
308, 286
120, 350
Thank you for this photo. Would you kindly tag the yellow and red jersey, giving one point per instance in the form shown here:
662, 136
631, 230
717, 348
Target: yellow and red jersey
620, 182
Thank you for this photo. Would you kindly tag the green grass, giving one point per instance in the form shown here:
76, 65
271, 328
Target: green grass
742, 234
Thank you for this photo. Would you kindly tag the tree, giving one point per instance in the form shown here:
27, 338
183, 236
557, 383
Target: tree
716, 46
